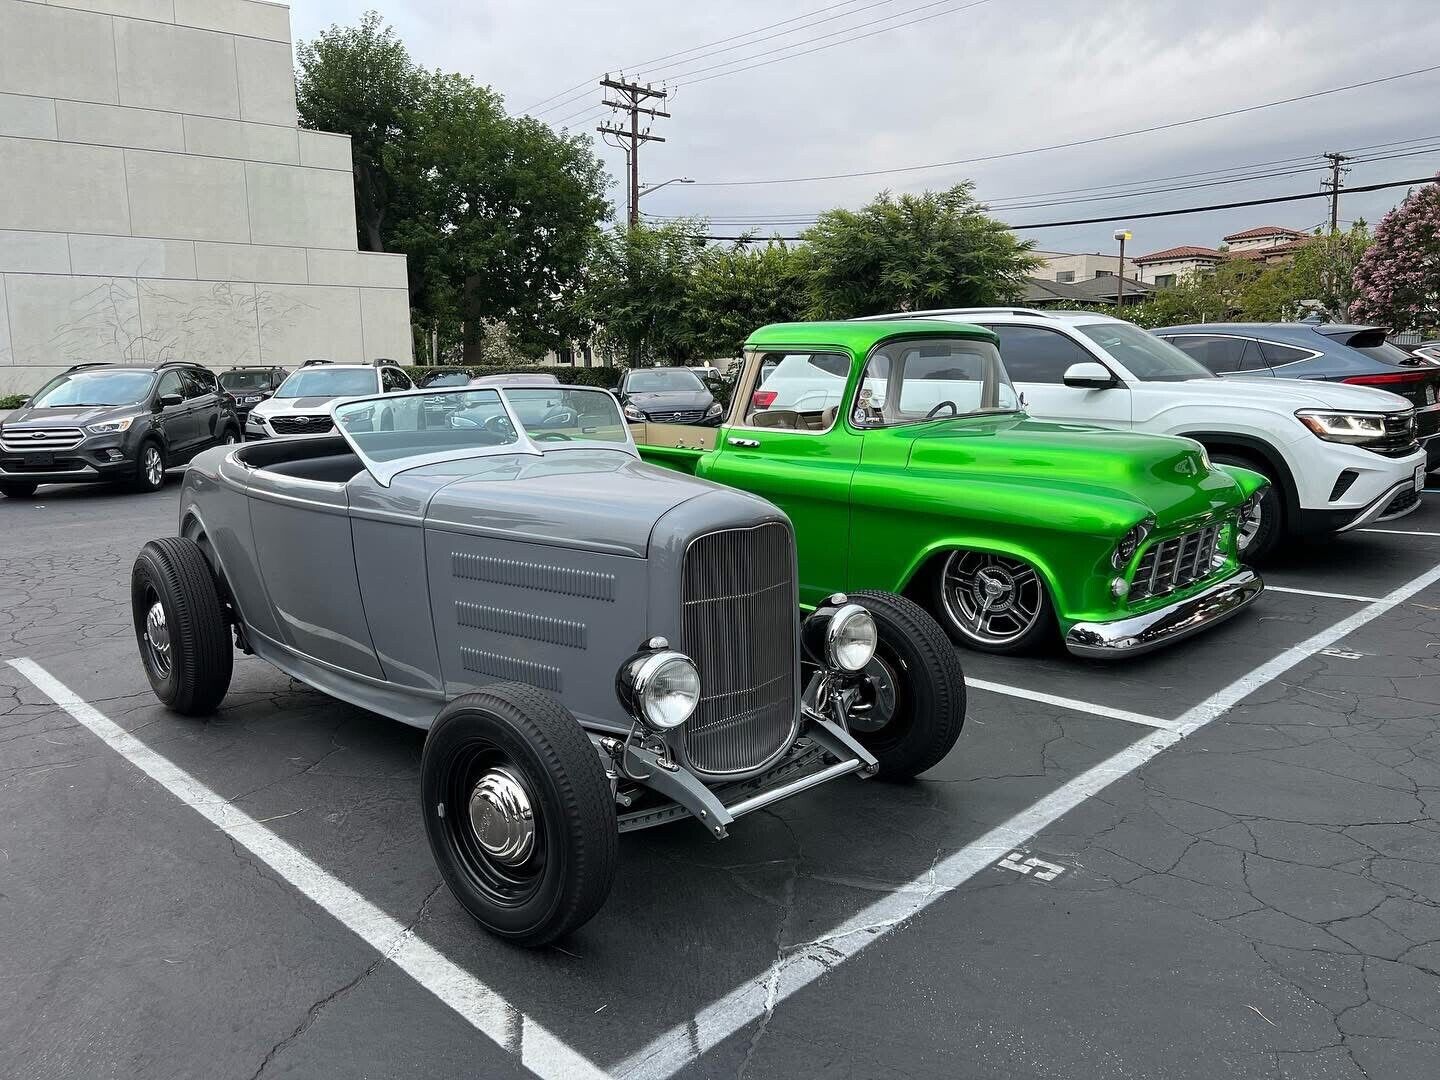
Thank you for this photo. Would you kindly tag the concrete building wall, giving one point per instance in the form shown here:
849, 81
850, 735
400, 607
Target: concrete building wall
158, 199
1083, 266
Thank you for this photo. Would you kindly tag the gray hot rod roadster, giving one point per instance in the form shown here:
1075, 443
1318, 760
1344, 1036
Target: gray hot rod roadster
594, 644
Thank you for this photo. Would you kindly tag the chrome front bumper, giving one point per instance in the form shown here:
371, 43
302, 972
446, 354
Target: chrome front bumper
1130, 637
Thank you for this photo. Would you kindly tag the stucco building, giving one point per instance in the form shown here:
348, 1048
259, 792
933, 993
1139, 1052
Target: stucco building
1165, 268
1068, 267
158, 199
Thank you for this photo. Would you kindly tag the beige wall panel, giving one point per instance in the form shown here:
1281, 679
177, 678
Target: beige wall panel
27, 117
55, 52
250, 262
115, 125
309, 207
302, 322
176, 68
187, 198
131, 256
65, 187
34, 253
267, 81
213, 322
72, 320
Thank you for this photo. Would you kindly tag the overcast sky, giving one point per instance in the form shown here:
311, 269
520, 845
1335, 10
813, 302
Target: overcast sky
1006, 75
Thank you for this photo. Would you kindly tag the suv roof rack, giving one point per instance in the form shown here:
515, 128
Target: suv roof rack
92, 363
175, 363
312, 363
384, 361
999, 309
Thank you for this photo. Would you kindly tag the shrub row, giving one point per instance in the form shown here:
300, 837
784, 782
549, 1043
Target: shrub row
603, 377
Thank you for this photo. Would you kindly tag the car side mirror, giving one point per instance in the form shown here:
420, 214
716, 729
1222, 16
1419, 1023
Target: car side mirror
1089, 376
168, 401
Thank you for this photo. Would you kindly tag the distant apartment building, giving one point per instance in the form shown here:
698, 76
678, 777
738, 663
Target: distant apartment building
1165, 268
1069, 268
1264, 243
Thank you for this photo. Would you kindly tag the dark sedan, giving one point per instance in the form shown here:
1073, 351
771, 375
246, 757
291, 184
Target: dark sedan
1332, 351
673, 395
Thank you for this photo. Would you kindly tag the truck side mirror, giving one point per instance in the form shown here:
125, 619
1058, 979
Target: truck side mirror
1089, 376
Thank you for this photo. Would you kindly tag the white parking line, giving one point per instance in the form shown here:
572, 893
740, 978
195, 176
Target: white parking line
1326, 595
1072, 704
489, 1013
1399, 532
718, 1021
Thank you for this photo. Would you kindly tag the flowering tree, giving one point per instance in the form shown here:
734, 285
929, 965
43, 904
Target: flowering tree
1398, 280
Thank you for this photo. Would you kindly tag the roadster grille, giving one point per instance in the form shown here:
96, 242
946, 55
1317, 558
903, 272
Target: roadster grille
739, 625
301, 425
1174, 563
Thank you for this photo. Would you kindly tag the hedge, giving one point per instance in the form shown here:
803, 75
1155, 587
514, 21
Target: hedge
605, 377
11, 402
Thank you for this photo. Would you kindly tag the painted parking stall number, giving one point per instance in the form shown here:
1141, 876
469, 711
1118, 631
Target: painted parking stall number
1030, 866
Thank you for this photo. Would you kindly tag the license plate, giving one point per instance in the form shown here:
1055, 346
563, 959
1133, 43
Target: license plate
39, 459
1419, 477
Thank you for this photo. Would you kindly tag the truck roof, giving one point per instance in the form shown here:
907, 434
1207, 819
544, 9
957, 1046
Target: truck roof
861, 337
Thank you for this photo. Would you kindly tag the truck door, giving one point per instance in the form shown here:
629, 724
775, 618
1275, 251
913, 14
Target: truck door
799, 457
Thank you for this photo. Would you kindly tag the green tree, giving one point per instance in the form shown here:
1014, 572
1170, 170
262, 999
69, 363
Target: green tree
637, 291
1324, 270
736, 289
911, 252
360, 81
1398, 279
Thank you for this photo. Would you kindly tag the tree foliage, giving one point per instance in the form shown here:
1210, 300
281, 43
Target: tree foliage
912, 252
1398, 280
739, 288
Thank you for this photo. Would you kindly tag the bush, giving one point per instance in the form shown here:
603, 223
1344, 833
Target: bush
13, 401
604, 377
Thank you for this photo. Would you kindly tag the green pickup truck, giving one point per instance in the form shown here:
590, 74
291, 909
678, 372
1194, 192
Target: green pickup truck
905, 460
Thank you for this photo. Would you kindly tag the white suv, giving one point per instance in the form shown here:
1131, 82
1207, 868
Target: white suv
1337, 456
299, 405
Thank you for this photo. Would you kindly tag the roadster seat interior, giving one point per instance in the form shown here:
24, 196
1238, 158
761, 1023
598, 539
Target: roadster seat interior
332, 468
329, 459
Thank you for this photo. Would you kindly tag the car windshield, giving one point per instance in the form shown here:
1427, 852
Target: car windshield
658, 382
567, 414
445, 378
245, 380
394, 428
94, 388
328, 382
1144, 355
907, 382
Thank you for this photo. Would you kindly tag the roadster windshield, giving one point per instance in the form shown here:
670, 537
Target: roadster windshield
907, 382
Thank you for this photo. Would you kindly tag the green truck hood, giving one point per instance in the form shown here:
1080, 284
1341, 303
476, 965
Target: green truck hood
1162, 475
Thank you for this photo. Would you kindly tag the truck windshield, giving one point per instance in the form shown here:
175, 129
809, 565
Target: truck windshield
94, 388
908, 382
1144, 355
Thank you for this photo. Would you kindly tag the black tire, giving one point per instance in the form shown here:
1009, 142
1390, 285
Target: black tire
1272, 508
566, 875
231, 435
146, 477
191, 673
928, 692
1035, 632
20, 489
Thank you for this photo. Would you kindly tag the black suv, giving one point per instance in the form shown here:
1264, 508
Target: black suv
248, 385
117, 422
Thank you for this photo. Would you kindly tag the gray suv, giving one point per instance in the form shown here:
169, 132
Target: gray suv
123, 423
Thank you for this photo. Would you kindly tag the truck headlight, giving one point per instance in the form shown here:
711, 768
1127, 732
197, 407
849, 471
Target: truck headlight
110, 427
659, 688
839, 634
1130, 543
1343, 427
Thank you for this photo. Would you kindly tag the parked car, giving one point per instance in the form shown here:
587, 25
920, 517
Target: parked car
1332, 352
248, 385
125, 423
671, 395
299, 406
595, 645
1337, 457
1430, 350
927, 477
518, 378
443, 377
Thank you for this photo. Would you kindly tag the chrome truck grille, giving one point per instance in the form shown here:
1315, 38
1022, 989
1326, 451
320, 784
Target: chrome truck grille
739, 620
1174, 563
20, 439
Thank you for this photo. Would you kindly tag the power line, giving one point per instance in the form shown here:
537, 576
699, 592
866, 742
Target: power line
1076, 142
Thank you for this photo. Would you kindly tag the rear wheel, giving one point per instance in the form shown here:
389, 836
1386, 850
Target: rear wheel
992, 603
180, 626
912, 701
17, 489
1265, 524
519, 813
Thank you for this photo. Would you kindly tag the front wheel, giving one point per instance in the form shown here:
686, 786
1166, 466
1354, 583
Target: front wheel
180, 626
992, 603
519, 813
150, 468
1262, 528
912, 699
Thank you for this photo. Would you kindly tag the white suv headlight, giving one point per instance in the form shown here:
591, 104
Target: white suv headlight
1343, 427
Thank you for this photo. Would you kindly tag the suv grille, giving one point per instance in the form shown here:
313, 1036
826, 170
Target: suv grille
1172, 564
18, 440
301, 425
676, 416
739, 621
1399, 438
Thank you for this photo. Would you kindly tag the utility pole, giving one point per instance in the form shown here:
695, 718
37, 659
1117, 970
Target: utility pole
1122, 235
632, 96
1333, 186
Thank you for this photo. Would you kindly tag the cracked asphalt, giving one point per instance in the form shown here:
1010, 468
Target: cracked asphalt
1260, 900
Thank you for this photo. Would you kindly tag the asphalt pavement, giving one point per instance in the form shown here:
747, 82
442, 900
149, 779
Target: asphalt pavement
1220, 860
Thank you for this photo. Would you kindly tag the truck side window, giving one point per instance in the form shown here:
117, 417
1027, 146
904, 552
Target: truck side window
798, 391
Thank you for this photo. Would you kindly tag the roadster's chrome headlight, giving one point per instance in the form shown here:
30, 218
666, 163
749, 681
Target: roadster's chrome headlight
839, 634
660, 689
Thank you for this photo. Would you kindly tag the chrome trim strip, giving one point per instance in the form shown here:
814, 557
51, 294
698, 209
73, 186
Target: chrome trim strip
1130, 637
1376, 508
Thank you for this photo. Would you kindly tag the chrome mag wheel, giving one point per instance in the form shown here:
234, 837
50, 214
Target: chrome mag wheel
494, 823
1250, 526
990, 599
153, 465
157, 637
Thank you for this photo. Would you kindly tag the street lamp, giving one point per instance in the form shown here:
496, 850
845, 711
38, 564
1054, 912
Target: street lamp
657, 187
1122, 235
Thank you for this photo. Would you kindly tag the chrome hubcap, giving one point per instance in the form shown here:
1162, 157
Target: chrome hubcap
989, 598
157, 638
154, 472
502, 816
1249, 526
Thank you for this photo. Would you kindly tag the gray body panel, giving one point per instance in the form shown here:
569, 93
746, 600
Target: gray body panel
548, 570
